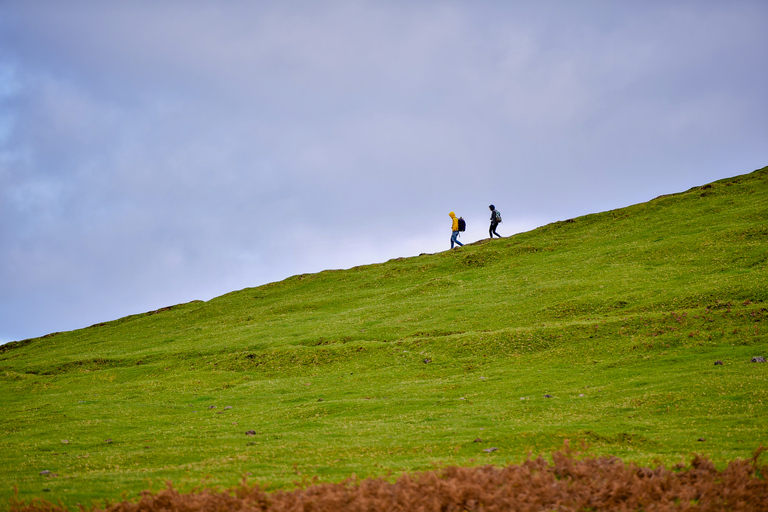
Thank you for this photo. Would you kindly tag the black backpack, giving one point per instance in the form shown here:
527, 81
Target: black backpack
462, 224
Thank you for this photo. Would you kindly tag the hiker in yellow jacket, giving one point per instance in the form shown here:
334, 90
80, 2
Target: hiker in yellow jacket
455, 229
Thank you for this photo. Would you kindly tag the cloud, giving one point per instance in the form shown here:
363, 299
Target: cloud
153, 153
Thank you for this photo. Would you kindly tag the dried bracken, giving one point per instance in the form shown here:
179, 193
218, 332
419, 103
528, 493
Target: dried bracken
566, 484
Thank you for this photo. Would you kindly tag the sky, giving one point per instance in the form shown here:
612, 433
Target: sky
158, 152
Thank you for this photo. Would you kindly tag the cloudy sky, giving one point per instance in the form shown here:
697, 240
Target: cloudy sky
157, 152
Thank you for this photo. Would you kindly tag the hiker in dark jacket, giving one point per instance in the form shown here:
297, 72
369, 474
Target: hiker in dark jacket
495, 219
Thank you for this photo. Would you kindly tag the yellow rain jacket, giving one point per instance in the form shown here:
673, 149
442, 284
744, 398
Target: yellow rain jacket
455, 225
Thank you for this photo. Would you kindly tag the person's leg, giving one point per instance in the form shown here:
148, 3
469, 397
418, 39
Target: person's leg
454, 239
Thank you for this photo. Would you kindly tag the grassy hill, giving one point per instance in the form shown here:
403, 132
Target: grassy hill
603, 328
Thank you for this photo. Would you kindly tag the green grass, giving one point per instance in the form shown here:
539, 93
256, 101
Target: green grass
619, 316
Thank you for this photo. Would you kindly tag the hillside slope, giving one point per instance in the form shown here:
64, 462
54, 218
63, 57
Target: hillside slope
618, 317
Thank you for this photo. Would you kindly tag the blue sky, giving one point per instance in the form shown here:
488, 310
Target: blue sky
157, 152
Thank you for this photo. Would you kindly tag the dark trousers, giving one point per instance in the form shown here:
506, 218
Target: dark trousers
455, 238
492, 231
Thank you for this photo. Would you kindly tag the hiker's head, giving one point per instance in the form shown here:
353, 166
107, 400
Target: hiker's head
491, 207
452, 215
